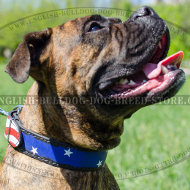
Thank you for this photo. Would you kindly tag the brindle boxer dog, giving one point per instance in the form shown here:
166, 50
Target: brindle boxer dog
88, 57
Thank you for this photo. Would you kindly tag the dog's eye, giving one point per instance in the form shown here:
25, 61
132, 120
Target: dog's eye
94, 27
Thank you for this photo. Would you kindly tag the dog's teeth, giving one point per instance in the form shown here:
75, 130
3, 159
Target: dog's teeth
164, 70
131, 82
160, 45
123, 81
144, 81
169, 66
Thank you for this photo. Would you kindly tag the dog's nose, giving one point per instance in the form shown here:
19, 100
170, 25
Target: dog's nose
143, 12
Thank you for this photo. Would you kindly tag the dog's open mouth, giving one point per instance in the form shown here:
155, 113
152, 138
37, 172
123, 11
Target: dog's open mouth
155, 76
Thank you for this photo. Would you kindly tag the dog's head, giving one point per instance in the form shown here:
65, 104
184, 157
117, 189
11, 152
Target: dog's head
106, 62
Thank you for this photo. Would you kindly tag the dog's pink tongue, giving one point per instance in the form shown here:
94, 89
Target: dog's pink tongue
152, 70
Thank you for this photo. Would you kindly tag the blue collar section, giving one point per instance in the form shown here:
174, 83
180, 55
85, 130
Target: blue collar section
59, 154
53, 152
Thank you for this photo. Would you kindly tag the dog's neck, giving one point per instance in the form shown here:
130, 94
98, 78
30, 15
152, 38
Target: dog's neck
49, 119
36, 118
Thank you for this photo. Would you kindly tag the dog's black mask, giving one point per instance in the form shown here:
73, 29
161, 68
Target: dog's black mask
143, 38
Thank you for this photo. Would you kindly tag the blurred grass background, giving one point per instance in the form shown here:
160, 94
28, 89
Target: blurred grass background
151, 135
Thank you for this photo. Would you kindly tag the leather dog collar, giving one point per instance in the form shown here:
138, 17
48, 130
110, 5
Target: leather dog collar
48, 150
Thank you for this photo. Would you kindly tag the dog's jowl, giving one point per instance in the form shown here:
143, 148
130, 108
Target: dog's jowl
96, 68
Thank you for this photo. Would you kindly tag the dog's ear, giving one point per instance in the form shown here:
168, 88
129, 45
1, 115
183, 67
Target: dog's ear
27, 55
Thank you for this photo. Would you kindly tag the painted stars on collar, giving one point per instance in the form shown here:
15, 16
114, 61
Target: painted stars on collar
34, 150
68, 152
69, 156
99, 163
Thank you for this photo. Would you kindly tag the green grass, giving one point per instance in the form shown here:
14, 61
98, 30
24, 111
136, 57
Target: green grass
151, 135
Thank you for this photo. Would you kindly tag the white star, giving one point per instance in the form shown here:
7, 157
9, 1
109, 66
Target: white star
34, 150
99, 163
68, 152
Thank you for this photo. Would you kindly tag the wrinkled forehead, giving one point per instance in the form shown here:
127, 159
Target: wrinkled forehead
83, 21
98, 18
